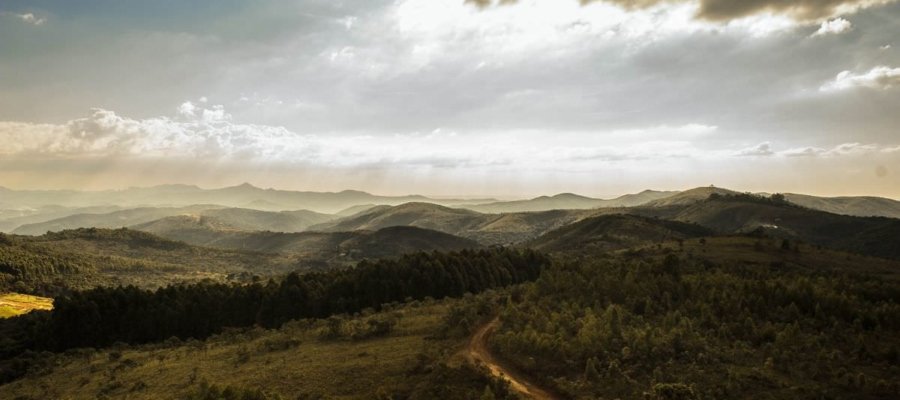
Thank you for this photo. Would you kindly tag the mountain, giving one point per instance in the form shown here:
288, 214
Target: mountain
568, 201
116, 219
243, 195
613, 232
861, 206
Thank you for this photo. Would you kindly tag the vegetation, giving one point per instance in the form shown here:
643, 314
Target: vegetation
704, 295
13, 304
58, 262
417, 360
103, 316
673, 324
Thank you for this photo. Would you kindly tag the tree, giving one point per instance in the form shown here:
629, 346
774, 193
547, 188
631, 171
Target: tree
488, 394
672, 391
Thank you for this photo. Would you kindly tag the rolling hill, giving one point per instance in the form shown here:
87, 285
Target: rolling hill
85, 258
12, 219
115, 219
422, 215
689, 196
568, 201
238, 218
320, 248
487, 229
861, 206
613, 232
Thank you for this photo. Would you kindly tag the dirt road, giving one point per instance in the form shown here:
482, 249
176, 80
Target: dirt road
477, 351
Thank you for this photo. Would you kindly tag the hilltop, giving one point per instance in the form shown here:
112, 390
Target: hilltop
568, 201
613, 232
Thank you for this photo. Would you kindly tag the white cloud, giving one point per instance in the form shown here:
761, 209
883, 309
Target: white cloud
880, 77
843, 149
763, 149
208, 134
187, 109
833, 27
28, 18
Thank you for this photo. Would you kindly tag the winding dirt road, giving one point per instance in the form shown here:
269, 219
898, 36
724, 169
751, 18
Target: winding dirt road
477, 352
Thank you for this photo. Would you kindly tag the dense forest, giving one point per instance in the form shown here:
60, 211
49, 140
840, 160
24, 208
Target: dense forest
103, 316
680, 326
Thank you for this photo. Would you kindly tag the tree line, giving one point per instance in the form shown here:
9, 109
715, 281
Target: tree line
104, 316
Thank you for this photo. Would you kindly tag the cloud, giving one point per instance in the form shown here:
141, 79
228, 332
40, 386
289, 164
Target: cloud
833, 27
28, 18
844, 149
801, 10
880, 77
761, 150
209, 134
728, 10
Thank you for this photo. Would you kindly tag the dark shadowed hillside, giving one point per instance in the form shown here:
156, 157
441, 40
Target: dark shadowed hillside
875, 236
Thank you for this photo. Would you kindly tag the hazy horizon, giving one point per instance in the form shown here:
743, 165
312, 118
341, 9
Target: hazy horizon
458, 196
453, 97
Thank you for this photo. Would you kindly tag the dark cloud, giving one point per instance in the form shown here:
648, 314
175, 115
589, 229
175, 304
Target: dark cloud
726, 10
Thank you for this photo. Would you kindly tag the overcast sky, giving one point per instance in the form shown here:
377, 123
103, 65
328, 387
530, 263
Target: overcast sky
446, 97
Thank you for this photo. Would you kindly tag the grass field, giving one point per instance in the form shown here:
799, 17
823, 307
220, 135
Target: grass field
12, 304
292, 361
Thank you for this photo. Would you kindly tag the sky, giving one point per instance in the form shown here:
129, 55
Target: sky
451, 97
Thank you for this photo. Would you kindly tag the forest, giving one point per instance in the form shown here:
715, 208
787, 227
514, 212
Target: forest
677, 325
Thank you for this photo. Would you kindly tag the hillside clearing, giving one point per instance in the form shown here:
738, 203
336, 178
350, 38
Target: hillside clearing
13, 304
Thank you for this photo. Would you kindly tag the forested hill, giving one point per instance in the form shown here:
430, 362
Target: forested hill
85, 258
774, 216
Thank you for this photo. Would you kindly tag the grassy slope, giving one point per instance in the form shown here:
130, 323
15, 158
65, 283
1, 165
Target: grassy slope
12, 304
336, 368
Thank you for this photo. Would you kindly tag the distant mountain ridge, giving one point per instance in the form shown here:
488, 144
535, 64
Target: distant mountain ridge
234, 196
115, 219
568, 201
